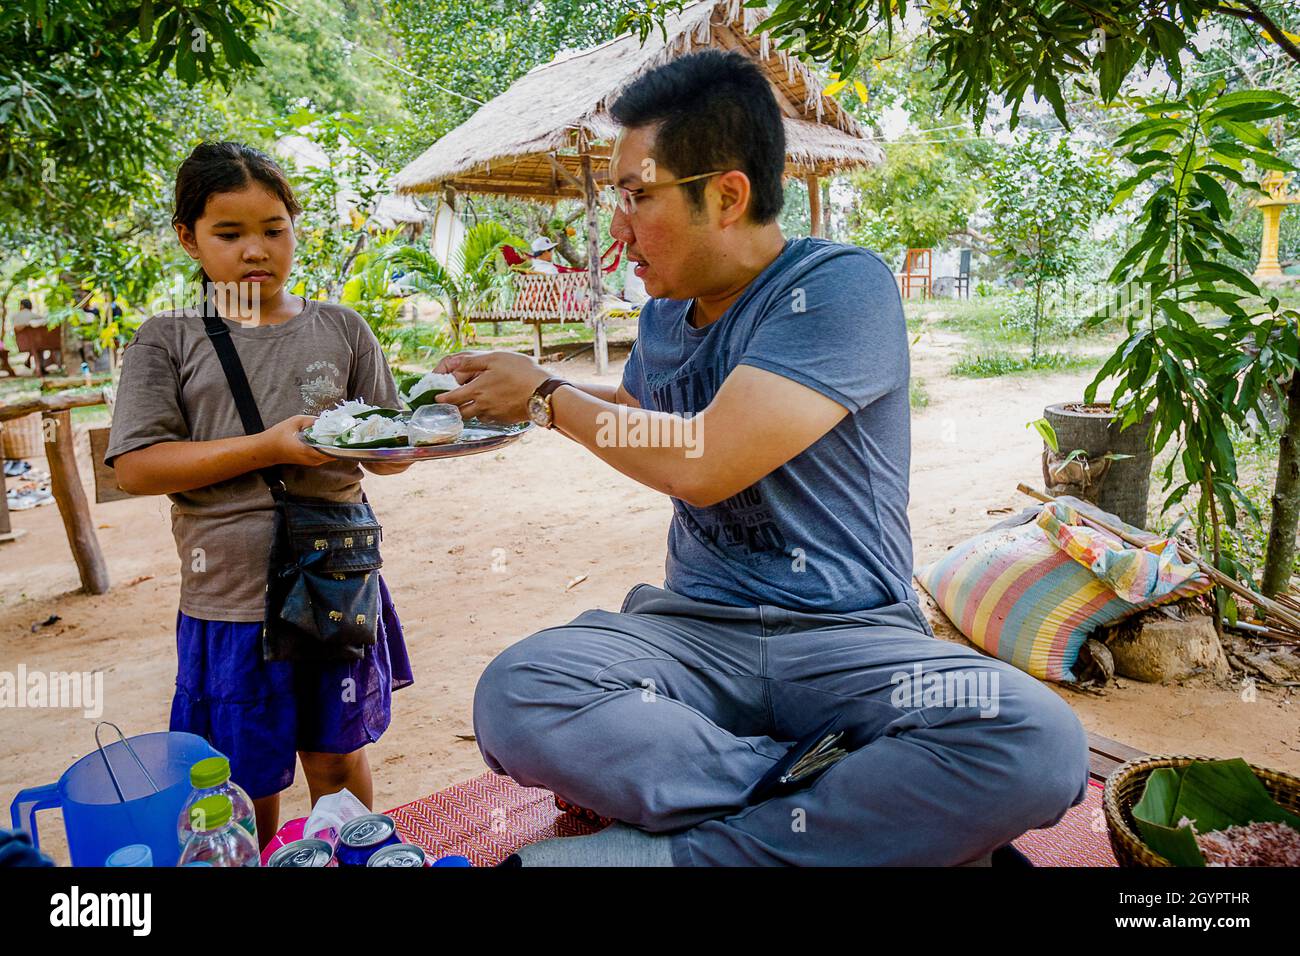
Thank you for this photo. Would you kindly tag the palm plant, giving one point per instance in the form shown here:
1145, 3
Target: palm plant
470, 281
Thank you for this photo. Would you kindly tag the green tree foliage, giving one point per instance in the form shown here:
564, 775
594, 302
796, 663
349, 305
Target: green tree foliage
1014, 48
79, 86
462, 53
1183, 357
1044, 198
919, 196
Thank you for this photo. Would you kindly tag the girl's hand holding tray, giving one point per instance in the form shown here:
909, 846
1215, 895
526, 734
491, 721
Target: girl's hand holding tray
361, 432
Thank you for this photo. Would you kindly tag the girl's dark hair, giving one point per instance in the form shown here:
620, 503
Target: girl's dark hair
220, 168
226, 167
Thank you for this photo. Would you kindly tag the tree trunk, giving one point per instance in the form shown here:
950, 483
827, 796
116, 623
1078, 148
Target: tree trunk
1123, 490
1038, 319
1286, 501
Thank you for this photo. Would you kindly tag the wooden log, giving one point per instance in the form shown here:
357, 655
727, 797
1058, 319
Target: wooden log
1124, 488
58, 402
57, 383
593, 266
65, 484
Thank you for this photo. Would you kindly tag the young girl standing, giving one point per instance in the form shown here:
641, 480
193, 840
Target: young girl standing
176, 431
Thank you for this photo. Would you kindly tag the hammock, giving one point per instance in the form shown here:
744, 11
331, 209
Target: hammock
515, 257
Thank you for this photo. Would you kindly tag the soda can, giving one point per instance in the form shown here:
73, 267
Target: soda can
361, 838
400, 854
302, 854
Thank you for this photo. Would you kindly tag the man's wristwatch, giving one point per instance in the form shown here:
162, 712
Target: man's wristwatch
539, 403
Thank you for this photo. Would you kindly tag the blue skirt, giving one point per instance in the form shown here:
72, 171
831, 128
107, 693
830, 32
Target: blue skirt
260, 713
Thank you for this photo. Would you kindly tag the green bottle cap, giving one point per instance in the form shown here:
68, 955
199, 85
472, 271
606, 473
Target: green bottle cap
211, 813
209, 772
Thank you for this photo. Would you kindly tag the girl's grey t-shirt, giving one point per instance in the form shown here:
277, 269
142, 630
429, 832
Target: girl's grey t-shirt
172, 388
828, 530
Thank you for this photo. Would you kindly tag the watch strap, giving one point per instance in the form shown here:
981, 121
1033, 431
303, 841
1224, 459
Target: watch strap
548, 386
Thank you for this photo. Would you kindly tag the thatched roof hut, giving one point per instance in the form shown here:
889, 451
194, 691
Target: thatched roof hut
529, 141
550, 134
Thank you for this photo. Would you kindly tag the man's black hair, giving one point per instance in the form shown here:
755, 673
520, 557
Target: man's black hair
713, 110
25, 304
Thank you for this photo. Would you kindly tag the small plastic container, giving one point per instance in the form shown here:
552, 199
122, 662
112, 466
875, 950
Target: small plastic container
435, 424
133, 854
218, 840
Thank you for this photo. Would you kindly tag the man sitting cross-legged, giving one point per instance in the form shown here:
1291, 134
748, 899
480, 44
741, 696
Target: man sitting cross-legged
767, 394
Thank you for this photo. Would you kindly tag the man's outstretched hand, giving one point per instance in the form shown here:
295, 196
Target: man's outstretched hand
494, 386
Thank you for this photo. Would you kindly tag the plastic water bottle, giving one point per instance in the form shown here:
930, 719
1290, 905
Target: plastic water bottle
218, 840
208, 778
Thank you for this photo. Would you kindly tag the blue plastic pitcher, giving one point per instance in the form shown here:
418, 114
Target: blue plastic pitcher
110, 798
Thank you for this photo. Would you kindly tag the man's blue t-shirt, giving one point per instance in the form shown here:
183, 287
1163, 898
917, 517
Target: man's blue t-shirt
828, 530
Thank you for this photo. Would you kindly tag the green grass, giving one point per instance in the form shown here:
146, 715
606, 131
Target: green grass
994, 364
917, 396
991, 322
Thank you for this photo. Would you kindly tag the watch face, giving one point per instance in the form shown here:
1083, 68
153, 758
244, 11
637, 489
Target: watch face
539, 411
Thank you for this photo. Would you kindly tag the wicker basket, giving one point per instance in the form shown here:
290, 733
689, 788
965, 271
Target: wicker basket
22, 437
1124, 789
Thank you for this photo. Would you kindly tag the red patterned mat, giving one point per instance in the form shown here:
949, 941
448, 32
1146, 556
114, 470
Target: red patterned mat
489, 817
1080, 839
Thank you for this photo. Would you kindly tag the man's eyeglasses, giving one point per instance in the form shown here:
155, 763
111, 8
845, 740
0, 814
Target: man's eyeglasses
624, 199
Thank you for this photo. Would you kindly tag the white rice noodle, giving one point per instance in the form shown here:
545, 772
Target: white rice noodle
432, 380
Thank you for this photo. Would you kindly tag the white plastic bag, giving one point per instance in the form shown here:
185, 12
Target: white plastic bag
329, 815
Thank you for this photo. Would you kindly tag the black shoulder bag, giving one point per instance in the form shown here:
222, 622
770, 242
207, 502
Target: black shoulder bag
322, 592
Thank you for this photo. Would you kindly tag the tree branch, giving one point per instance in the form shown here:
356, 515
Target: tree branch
1253, 13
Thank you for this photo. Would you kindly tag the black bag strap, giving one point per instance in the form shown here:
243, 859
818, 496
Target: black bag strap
219, 333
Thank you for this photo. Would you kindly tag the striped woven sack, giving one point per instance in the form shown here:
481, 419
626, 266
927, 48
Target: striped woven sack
1031, 595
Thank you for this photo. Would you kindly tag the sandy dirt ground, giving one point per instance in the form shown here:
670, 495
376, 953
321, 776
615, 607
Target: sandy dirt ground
482, 551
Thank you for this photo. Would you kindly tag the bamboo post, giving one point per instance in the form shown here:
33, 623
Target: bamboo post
65, 484
1218, 577
593, 265
814, 204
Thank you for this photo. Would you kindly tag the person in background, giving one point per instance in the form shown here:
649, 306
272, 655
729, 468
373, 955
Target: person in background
26, 316
543, 256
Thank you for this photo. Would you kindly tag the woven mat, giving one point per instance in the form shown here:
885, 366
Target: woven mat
489, 817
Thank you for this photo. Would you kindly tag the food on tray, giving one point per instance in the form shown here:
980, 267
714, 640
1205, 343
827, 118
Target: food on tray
420, 390
333, 422
435, 424
355, 424
374, 431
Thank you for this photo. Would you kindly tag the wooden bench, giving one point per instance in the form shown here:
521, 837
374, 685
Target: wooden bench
1104, 755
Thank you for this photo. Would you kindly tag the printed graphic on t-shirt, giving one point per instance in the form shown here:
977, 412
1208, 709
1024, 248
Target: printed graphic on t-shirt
321, 387
743, 526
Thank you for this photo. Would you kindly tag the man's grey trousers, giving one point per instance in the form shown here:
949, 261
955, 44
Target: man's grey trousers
667, 714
